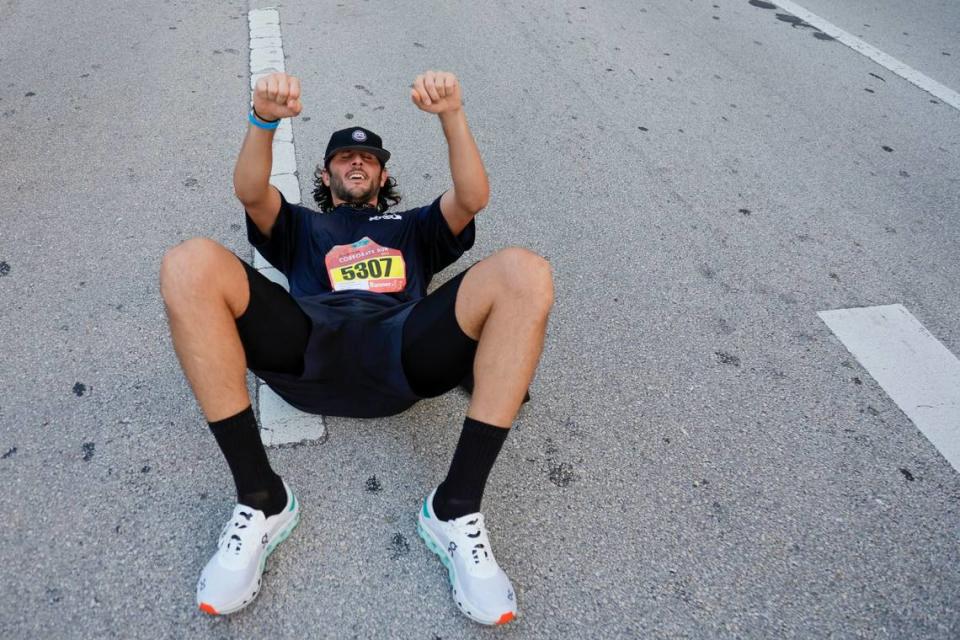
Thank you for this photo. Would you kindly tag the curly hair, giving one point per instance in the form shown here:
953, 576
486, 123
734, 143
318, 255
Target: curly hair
386, 197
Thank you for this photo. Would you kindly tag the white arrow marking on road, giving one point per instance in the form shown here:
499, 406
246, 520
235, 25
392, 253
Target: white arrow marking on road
910, 364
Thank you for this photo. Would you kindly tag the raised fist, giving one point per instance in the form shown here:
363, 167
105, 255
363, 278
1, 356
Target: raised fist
277, 96
436, 92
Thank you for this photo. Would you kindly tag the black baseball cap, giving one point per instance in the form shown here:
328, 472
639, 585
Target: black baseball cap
356, 138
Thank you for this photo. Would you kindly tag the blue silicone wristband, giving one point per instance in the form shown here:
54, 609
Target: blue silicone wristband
269, 126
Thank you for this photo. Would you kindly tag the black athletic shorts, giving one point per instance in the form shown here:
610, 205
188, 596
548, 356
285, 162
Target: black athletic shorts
436, 354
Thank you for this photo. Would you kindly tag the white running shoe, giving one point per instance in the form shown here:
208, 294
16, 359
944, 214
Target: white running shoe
480, 587
231, 579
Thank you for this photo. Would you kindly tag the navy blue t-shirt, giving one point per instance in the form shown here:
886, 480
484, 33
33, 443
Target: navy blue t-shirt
357, 272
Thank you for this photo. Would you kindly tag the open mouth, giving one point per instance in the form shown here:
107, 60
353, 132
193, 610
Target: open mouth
356, 176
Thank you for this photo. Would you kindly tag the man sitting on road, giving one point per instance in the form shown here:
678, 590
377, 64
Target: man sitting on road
357, 335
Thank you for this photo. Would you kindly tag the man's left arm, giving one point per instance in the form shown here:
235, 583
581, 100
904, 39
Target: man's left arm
438, 92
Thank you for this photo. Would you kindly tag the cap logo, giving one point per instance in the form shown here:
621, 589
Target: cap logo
359, 135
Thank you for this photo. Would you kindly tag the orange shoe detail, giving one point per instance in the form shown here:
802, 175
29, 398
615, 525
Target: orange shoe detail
206, 608
505, 618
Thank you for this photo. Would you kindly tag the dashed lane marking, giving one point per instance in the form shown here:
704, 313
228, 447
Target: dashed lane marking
280, 423
914, 368
905, 71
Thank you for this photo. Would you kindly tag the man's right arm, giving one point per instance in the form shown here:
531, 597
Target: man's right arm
275, 96
251, 179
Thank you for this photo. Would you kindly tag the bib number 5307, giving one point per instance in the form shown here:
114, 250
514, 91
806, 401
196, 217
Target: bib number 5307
373, 268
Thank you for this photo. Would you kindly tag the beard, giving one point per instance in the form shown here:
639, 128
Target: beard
354, 194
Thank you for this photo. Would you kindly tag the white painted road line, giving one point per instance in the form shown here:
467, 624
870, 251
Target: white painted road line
279, 422
912, 366
908, 73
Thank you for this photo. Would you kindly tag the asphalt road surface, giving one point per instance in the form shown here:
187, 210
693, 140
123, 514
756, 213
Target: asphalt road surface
702, 458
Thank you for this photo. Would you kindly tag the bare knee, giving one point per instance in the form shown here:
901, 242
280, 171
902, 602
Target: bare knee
194, 267
527, 275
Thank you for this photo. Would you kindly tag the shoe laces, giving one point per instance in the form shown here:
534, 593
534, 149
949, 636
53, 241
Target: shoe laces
472, 541
236, 534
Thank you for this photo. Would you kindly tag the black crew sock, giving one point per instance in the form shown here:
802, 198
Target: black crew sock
257, 485
462, 491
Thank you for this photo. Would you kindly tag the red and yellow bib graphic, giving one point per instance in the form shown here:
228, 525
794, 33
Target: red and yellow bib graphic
366, 265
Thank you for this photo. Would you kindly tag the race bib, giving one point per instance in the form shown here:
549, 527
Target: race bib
366, 265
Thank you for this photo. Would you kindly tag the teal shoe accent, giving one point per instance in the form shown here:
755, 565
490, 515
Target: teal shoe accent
281, 536
426, 512
435, 548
